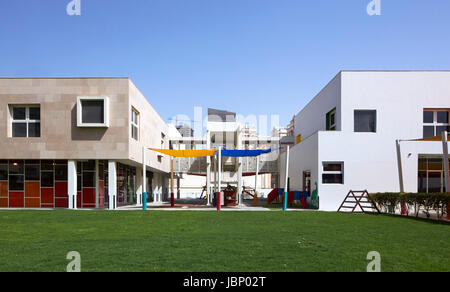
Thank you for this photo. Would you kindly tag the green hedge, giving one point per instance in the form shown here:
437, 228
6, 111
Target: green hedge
415, 202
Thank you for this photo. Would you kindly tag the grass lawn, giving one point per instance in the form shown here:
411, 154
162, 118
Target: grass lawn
210, 241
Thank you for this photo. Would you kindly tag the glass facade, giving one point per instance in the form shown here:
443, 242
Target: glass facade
431, 175
44, 184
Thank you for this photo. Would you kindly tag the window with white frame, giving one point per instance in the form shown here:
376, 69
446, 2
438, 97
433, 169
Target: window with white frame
93, 112
333, 173
25, 121
435, 122
134, 124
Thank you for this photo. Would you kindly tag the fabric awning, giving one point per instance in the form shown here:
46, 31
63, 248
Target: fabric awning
245, 153
186, 153
432, 139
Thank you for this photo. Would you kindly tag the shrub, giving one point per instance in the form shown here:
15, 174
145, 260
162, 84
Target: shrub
389, 202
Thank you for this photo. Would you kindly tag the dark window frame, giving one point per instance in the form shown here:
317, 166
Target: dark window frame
372, 126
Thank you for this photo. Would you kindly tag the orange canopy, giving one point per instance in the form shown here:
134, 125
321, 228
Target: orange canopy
186, 153
431, 139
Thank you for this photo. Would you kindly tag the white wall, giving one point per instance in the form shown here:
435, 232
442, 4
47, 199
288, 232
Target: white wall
303, 157
313, 117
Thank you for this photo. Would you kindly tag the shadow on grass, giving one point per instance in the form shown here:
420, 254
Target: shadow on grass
425, 220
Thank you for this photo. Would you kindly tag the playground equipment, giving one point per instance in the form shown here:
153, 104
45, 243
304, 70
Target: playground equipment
218, 154
304, 200
360, 199
230, 196
252, 193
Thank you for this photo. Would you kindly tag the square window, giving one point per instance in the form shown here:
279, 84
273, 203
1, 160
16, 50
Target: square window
19, 113
47, 165
61, 172
88, 179
428, 131
440, 129
333, 173
16, 183
32, 172
25, 121
19, 130
92, 112
47, 180
34, 130
365, 121
35, 113
16, 167
428, 117
90, 165
442, 117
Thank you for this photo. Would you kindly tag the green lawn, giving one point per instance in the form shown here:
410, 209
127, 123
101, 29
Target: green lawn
228, 241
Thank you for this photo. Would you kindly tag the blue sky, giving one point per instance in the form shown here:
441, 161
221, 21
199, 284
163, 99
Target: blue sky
250, 56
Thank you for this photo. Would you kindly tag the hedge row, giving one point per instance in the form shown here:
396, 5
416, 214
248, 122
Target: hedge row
414, 202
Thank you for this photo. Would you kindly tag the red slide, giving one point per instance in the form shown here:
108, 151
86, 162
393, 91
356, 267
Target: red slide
272, 196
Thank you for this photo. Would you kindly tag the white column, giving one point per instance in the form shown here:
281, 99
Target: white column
400, 167
96, 184
256, 176
112, 184
144, 179
72, 183
239, 195
287, 170
208, 169
219, 166
139, 184
445, 151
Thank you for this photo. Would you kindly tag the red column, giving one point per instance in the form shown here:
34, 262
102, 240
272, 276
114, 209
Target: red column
219, 203
172, 199
404, 209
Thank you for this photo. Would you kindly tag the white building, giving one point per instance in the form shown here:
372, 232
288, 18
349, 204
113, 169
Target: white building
346, 136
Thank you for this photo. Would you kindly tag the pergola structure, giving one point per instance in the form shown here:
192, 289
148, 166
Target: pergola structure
217, 153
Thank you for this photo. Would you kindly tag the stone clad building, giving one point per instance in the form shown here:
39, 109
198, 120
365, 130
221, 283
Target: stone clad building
77, 143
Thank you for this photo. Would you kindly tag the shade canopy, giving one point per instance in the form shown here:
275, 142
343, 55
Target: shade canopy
431, 139
245, 153
186, 153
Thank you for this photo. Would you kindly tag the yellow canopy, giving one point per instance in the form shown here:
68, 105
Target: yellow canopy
432, 139
186, 153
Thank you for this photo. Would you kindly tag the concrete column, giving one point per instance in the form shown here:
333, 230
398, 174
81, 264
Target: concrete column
139, 189
96, 184
72, 184
112, 184
239, 194
208, 169
445, 156
256, 182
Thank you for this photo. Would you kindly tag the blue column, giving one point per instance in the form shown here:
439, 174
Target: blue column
144, 201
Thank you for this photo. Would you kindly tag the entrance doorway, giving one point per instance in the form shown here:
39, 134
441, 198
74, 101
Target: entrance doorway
307, 182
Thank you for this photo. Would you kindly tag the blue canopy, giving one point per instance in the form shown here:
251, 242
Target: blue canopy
245, 153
